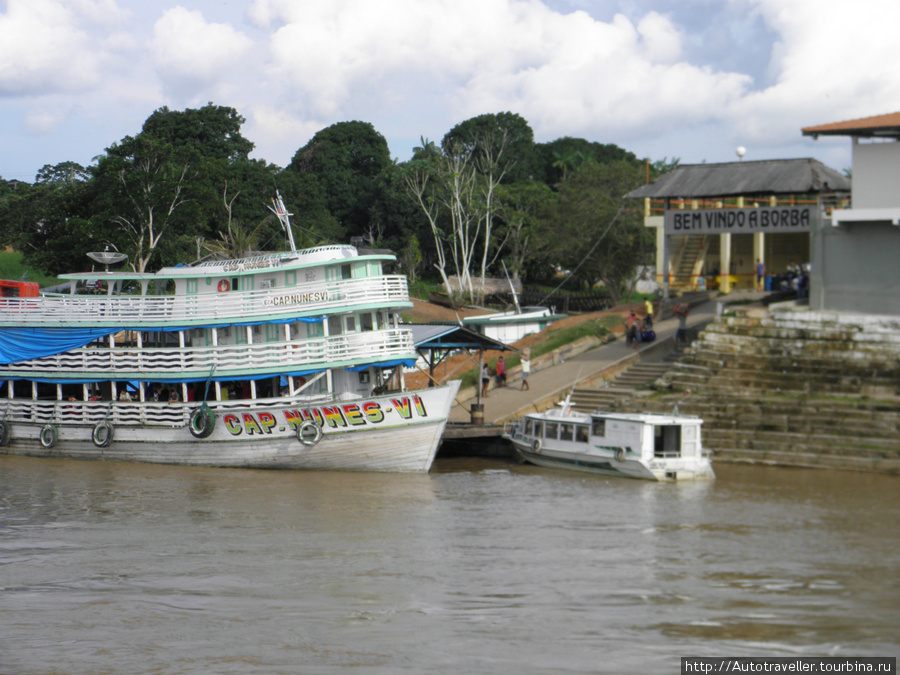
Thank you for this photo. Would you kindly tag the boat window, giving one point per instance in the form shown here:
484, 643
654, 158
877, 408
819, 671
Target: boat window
551, 429
349, 324
538, 429
529, 427
334, 325
581, 433
346, 271
565, 432
365, 322
599, 428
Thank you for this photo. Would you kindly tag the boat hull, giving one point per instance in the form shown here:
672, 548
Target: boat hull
610, 466
399, 433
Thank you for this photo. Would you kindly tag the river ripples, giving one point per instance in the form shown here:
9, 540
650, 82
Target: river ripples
479, 566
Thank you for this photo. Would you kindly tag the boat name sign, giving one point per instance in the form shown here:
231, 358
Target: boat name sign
297, 298
247, 265
344, 415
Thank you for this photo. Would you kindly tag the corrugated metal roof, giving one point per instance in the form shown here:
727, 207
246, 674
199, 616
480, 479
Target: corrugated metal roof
732, 179
452, 336
878, 125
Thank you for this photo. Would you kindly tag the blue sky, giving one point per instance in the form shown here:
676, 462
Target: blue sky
692, 79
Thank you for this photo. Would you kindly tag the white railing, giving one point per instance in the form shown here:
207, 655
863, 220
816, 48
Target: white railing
24, 411
126, 363
135, 311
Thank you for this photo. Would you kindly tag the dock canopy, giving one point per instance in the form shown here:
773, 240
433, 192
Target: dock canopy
435, 342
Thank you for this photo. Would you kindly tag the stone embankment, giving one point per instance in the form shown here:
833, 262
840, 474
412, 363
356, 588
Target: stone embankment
793, 387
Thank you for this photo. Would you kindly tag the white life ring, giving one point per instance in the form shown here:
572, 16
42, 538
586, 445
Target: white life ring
224, 286
536, 446
620, 454
49, 436
303, 433
102, 434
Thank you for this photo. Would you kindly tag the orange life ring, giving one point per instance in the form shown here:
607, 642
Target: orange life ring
224, 286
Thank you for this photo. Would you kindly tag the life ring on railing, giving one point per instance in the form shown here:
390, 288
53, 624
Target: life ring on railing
536, 446
224, 286
620, 454
49, 436
4, 434
102, 434
303, 432
203, 421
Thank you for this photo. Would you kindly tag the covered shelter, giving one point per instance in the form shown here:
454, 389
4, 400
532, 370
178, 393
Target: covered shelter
713, 222
435, 342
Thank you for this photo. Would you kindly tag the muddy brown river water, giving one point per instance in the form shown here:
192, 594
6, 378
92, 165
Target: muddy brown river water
479, 566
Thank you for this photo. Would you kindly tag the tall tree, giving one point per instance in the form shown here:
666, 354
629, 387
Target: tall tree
346, 159
598, 234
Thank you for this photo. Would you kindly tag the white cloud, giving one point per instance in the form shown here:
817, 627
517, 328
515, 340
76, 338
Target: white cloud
827, 67
191, 54
691, 79
48, 46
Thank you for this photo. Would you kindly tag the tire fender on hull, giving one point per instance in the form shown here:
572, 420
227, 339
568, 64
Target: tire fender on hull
102, 434
49, 436
309, 433
203, 421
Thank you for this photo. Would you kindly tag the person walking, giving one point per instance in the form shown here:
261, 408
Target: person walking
485, 380
526, 371
760, 275
631, 330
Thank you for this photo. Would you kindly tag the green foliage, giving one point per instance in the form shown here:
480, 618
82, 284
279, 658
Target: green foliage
486, 135
13, 267
555, 161
598, 234
564, 336
346, 159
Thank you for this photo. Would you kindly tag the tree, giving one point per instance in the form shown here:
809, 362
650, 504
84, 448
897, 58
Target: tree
346, 159
48, 222
598, 234
146, 183
553, 162
525, 211
213, 131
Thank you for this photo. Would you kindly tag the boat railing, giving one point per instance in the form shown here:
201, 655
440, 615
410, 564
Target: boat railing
135, 413
134, 363
54, 309
68, 413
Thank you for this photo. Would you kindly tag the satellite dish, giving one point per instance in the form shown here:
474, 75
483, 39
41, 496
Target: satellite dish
740, 152
107, 257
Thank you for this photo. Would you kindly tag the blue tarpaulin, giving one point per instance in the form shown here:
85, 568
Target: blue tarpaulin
23, 344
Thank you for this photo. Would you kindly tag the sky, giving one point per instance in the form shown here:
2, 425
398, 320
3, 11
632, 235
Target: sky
664, 79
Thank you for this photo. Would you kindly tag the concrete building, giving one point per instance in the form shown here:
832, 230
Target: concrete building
855, 254
713, 222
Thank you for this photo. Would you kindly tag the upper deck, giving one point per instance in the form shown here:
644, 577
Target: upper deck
273, 287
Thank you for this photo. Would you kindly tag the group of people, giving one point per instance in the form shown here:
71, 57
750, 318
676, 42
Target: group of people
640, 329
525, 362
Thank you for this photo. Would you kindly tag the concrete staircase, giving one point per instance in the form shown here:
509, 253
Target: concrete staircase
793, 388
625, 385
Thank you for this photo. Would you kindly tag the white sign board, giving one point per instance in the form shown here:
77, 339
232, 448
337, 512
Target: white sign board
740, 221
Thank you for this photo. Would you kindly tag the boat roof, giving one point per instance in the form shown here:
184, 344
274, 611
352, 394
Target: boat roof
643, 418
249, 265
452, 336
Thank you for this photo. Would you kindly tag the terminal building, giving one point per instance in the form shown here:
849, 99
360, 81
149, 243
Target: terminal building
714, 222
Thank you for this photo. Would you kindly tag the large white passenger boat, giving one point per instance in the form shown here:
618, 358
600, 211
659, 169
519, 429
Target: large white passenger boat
633, 445
287, 360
